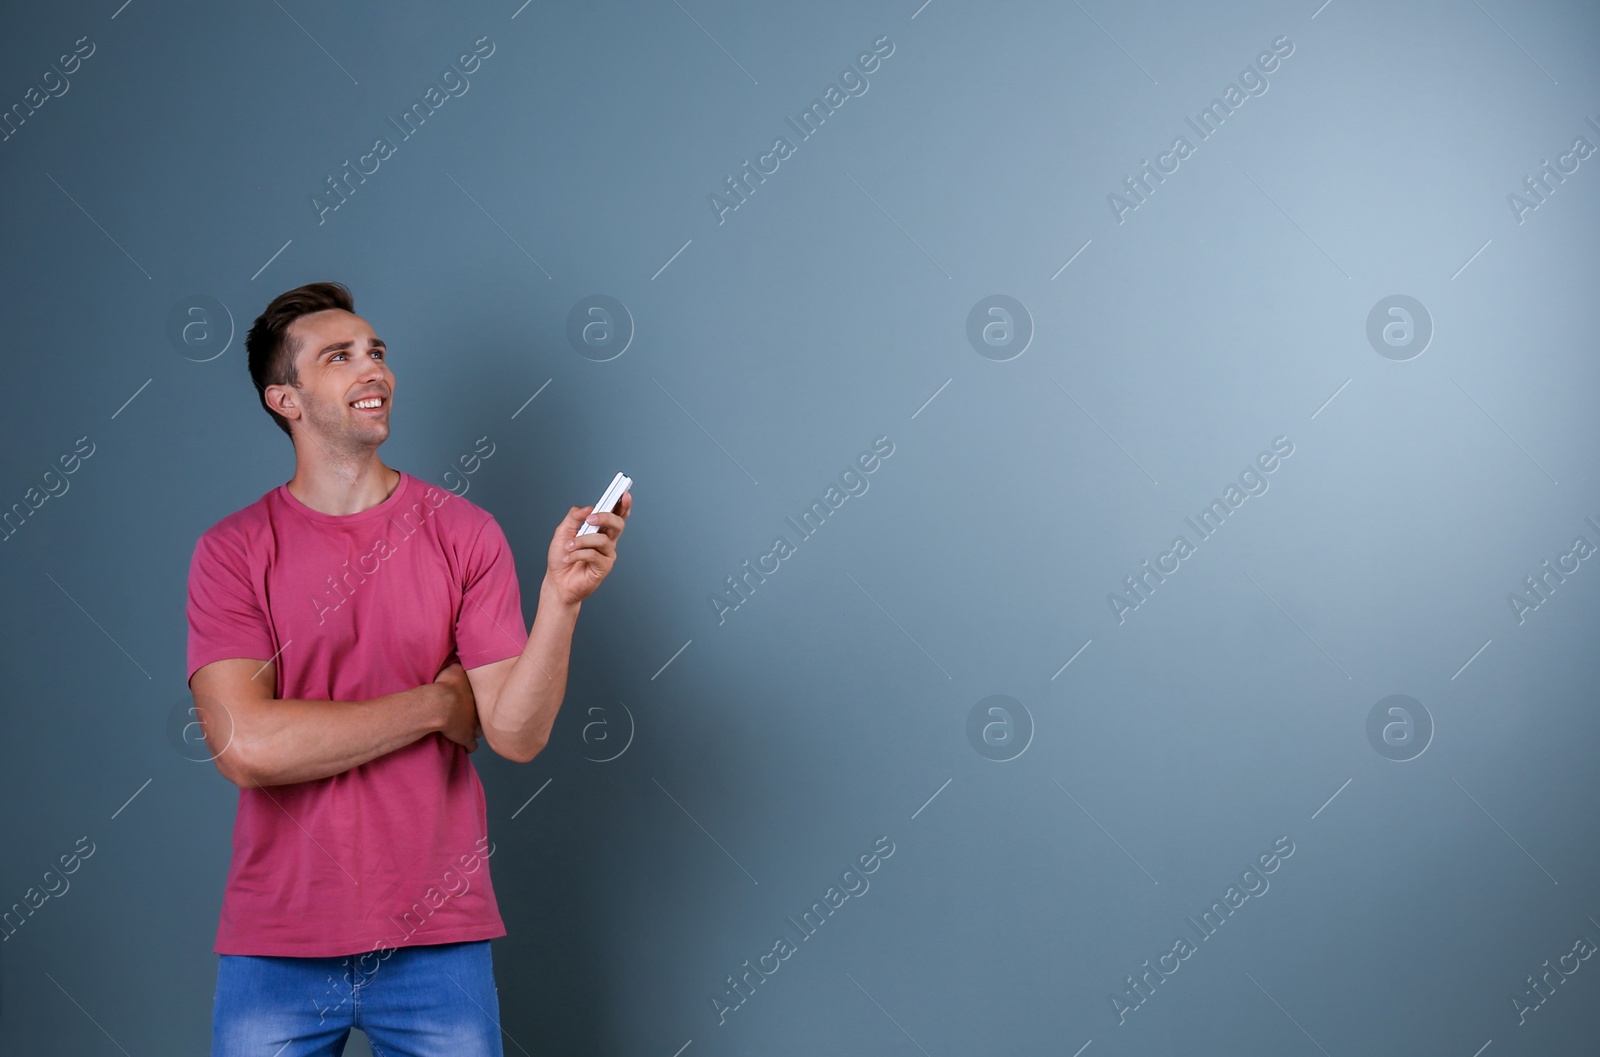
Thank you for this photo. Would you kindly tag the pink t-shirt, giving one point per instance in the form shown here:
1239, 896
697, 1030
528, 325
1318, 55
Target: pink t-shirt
393, 852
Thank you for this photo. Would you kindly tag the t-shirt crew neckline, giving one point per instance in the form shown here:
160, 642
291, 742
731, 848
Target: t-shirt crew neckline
388, 506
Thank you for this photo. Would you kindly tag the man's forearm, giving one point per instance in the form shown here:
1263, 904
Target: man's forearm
294, 740
525, 710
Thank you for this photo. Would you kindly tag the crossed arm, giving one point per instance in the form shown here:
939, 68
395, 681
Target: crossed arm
256, 739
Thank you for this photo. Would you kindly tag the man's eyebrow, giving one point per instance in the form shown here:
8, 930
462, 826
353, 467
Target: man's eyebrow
377, 343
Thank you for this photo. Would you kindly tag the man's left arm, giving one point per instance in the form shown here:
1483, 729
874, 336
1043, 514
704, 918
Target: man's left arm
518, 697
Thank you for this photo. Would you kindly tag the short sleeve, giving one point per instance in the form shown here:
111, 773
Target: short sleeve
490, 627
225, 617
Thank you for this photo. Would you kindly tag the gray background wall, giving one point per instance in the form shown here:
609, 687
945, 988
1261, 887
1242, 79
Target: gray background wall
1152, 759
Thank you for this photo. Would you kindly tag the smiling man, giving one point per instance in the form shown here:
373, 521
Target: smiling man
352, 634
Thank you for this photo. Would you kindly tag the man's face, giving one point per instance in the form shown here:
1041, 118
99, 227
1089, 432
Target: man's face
340, 362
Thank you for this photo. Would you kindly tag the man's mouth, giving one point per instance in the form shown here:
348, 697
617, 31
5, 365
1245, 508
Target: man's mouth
372, 404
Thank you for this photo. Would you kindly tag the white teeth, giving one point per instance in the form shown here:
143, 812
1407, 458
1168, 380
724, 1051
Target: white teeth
368, 403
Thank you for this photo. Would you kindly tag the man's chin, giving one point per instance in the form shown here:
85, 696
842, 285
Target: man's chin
369, 427
368, 435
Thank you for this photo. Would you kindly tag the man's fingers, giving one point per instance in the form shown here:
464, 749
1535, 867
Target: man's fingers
591, 556
602, 541
609, 526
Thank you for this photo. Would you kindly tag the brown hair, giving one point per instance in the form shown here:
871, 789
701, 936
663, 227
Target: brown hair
272, 352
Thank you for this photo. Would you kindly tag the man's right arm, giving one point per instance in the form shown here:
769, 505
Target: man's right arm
258, 740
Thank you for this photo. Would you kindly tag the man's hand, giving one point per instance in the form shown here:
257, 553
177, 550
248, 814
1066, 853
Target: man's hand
577, 563
461, 721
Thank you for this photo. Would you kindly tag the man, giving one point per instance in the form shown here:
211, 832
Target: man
352, 634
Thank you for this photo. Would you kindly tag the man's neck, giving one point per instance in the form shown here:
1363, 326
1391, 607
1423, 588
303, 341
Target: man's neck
343, 490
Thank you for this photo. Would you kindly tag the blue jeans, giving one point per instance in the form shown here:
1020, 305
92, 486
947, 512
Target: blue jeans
430, 1000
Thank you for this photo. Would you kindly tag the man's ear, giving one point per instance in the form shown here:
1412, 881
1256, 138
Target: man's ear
281, 399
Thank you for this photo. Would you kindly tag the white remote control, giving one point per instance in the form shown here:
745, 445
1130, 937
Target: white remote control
608, 502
